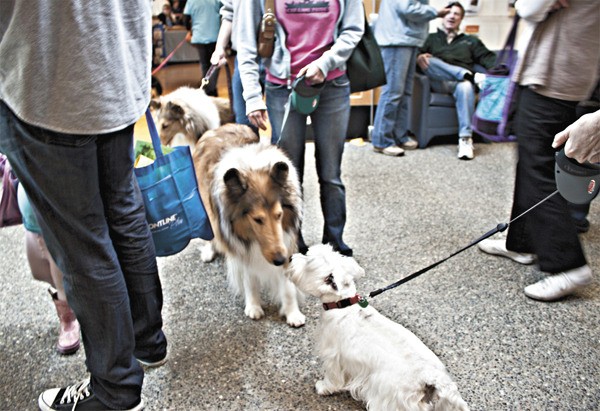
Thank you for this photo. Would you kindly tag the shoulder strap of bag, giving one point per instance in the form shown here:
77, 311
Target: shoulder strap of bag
153, 134
507, 55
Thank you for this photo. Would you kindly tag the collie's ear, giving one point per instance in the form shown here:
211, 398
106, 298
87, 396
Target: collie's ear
175, 109
279, 172
235, 183
195, 125
154, 104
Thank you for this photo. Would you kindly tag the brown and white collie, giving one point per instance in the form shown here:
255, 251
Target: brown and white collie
186, 113
254, 202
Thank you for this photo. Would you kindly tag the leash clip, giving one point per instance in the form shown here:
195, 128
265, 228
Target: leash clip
363, 302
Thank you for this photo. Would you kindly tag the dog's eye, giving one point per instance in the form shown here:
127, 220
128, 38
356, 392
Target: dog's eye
278, 216
331, 282
259, 220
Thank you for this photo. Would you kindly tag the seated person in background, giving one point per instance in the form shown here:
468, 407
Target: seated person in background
448, 59
167, 17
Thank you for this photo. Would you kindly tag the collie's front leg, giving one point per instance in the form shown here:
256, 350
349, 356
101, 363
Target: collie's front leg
252, 298
208, 252
288, 296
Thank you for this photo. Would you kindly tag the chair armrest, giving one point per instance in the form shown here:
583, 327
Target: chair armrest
421, 92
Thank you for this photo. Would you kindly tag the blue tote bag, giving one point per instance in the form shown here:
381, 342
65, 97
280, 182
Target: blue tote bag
174, 209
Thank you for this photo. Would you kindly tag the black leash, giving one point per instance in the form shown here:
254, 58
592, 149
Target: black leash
499, 228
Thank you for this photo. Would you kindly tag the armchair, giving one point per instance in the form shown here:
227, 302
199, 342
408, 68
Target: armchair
432, 114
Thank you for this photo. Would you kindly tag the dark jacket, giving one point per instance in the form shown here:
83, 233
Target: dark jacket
464, 50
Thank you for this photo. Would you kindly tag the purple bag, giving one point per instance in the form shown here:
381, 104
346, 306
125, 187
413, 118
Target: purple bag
9, 206
494, 115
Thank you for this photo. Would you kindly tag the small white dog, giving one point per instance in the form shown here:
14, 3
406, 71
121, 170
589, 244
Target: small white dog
380, 362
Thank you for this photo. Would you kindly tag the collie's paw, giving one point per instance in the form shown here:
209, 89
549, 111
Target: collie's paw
207, 252
323, 387
295, 319
254, 311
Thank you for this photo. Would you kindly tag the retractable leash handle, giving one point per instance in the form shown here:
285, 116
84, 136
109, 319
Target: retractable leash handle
499, 228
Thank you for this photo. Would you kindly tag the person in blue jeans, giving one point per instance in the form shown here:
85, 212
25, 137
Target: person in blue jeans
67, 112
448, 58
400, 29
314, 42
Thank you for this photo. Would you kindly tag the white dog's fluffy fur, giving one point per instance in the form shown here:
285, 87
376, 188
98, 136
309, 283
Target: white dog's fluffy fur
377, 360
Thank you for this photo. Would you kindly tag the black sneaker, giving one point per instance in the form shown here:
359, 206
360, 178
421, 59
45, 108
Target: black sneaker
346, 251
77, 397
583, 226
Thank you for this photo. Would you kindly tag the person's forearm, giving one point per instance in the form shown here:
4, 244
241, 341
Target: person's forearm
224, 34
534, 10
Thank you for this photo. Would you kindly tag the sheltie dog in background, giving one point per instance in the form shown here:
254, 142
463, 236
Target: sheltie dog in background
254, 203
183, 115
380, 362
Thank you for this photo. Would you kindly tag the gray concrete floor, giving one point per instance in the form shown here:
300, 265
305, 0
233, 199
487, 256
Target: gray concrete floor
505, 351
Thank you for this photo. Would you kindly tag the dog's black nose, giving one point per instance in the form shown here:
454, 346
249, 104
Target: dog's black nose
279, 260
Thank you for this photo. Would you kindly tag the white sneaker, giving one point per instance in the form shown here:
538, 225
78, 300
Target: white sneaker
559, 285
465, 148
393, 151
498, 247
410, 144
478, 79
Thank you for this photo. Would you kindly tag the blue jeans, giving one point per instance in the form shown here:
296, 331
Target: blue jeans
93, 221
392, 115
239, 104
449, 79
330, 124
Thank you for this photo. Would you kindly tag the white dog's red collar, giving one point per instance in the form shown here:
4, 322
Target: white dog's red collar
347, 302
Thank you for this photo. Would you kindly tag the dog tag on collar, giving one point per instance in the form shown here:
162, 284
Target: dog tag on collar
363, 302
